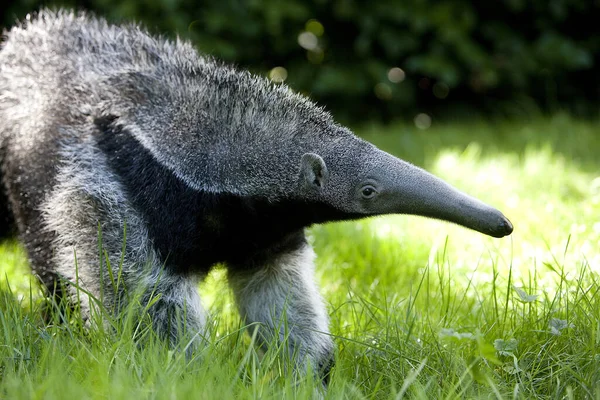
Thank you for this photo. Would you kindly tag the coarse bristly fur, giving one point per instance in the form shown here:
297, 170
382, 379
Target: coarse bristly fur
173, 162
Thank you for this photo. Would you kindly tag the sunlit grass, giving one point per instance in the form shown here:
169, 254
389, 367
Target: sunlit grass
419, 308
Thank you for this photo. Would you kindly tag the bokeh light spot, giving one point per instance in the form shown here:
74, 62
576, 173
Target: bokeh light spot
308, 41
441, 90
424, 83
396, 75
422, 121
383, 91
315, 56
278, 74
315, 27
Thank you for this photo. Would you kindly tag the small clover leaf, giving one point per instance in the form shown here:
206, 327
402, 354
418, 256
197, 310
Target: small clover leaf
556, 325
525, 298
451, 333
506, 347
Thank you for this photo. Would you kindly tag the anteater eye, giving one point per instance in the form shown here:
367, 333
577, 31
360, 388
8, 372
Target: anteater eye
368, 192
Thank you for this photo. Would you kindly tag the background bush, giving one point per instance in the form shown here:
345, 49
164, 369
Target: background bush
451, 57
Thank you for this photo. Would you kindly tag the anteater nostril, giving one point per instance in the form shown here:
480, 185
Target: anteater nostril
506, 226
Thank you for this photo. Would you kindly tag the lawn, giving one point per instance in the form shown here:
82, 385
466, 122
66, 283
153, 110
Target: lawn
419, 308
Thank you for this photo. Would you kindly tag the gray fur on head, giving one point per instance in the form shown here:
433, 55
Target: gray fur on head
182, 162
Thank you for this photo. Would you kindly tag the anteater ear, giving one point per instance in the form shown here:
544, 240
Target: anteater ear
313, 171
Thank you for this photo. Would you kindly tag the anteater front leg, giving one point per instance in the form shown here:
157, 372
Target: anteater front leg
282, 297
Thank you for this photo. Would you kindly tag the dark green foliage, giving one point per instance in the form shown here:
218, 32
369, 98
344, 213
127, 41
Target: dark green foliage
497, 56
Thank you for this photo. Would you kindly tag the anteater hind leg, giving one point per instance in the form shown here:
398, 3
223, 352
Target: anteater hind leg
102, 247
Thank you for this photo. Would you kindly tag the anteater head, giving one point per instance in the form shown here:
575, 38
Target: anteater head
366, 181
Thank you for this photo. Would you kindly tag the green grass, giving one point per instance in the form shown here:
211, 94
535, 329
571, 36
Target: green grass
419, 308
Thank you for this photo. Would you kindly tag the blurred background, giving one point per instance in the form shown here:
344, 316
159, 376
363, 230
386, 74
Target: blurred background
386, 60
